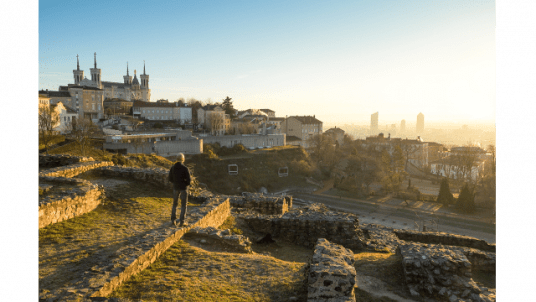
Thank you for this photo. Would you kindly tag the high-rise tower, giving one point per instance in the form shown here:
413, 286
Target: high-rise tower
420, 123
403, 126
374, 123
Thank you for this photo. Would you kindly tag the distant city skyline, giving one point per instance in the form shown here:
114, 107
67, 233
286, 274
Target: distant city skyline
340, 61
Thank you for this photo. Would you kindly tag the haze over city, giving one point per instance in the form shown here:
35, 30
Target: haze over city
339, 61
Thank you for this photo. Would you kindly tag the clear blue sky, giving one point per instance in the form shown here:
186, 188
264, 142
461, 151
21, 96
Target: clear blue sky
340, 60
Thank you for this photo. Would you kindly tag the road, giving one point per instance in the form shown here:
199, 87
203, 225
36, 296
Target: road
400, 218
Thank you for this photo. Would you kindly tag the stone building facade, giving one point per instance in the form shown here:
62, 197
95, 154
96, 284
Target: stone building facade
302, 127
162, 111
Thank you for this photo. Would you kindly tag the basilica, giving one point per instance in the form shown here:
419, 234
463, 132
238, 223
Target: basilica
130, 90
86, 96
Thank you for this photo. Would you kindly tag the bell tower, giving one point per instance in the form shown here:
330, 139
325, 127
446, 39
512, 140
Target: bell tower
145, 91
77, 73
144, 79
96, 73
127, 78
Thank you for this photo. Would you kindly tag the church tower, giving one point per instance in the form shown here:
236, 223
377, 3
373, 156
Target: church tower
96, 74
78, 74
145, 91
127, 78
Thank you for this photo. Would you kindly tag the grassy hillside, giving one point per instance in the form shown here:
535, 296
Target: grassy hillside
256, 169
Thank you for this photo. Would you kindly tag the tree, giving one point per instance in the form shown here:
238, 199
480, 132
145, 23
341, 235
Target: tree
48, 119
216, 122
227, 105
392, 169
246, 128
360, 172
194, 104
466, 200
323, 150
487, 186
83, 130
445, 196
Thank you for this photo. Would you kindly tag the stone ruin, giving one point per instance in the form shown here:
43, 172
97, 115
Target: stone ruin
332, 275
306, 225
234, 242
436, 265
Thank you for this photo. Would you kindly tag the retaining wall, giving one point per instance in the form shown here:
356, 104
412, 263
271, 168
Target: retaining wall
332, 275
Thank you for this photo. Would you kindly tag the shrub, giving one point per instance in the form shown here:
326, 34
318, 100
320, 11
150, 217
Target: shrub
445, 197
158, 126
466, 200
119, 159
301, 167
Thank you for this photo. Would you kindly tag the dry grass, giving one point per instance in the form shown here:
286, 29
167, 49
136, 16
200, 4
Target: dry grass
188, 273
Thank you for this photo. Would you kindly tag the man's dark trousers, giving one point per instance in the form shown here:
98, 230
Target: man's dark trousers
184, 201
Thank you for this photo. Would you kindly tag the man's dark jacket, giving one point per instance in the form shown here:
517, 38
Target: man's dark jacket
179, 176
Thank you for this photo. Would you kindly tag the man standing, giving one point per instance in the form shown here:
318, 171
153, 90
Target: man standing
180, 177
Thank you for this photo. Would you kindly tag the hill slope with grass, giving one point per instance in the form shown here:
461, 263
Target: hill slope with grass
256, 169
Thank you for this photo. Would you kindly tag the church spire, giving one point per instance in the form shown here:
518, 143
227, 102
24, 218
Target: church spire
95, 58
77, 63
143, 66
127, 69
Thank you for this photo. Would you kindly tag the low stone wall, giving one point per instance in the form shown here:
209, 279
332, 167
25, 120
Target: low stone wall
130, 259
80, 197
58, 160
263, 204
141, 254
332, 275
306, 225
445, 239
157, 175
75, 169
238, 243
441, 273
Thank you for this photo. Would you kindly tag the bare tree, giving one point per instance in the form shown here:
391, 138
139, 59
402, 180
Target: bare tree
83, 130
48, 119
246, 128
216, 122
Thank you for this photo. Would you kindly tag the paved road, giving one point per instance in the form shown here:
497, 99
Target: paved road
402, 218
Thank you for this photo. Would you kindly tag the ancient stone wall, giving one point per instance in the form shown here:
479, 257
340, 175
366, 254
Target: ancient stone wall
332, 275
78, 197
58, 160
306, 225
75, 169
235, 242
439, 272
157, 176
445, 239
263, 204
212, 213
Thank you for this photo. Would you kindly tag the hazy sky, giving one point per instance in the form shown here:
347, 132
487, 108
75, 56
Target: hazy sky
340, 60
